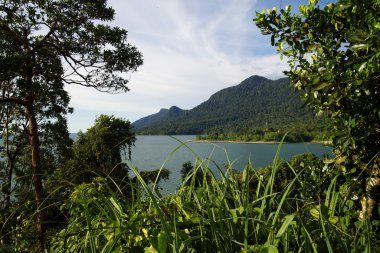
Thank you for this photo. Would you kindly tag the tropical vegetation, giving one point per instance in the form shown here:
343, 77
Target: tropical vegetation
333, 54
287, 207
64, 195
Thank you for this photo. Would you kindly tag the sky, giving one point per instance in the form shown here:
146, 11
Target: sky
191, 49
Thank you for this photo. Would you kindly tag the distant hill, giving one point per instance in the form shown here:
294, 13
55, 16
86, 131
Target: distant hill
172, 113
256, 103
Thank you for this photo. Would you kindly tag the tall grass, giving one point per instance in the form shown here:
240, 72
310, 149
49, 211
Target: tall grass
222, 211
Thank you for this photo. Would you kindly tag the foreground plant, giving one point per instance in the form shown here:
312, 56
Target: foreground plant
268, 210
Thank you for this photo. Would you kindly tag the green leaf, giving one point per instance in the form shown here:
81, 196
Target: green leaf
269, 249
151, 249
329, 161
333, 219
235, 212
116, 205
162, 242
287, 220
234, 215
321, 86
311, 47
315, 212
258, 210
359, 47
341, 159
362, 66
324, 210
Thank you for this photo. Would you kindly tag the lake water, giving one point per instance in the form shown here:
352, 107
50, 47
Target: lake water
152, 152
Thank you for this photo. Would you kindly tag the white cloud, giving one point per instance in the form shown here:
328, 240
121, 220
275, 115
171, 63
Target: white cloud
191, 50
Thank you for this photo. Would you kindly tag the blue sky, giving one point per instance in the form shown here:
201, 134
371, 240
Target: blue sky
191, 50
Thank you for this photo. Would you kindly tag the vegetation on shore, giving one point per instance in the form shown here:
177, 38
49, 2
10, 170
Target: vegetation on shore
269, 135
303, 206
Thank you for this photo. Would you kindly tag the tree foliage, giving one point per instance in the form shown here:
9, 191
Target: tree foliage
45, 44
334, 57
100, 151
16, 170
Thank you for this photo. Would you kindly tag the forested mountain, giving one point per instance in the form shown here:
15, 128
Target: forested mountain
173, 112
256, 103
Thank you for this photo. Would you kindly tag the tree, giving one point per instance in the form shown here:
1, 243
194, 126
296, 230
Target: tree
15, 166
194, 175
100, 151
45, 44
12, 142
333, 54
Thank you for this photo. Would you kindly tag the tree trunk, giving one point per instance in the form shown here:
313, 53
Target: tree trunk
36, 170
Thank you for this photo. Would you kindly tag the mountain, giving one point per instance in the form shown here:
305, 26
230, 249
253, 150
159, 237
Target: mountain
256, 103
163, 114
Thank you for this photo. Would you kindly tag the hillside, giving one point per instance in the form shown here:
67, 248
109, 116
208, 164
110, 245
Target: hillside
173, 112
256, 103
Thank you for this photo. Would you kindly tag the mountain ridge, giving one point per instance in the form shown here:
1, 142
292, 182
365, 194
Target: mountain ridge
157, 117
255, 103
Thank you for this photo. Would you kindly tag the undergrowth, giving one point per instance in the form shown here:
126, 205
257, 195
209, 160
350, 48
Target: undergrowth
296, 206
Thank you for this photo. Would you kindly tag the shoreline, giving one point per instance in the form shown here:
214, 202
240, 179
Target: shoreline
240, 142
259, 142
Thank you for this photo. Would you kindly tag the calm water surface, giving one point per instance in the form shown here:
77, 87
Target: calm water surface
152, 152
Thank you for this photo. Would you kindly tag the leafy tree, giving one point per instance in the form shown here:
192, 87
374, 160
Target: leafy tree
15, 168
194, 175
100, 151
46, 44
154, 177
187, 167
333, 54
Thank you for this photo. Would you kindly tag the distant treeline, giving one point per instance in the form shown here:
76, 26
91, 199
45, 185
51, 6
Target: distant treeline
265, 135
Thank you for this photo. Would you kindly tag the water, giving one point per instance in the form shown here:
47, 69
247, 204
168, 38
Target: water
152, 152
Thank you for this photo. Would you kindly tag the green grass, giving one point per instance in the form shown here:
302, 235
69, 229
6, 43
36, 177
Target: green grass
226, 212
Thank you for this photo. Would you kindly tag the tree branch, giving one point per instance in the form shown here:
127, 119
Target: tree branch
13, 101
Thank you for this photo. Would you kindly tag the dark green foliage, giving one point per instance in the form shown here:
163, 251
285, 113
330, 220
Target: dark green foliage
100, 151
155, 177
266, 135
334, 59
17, 208
193, 175
257, 104
312, 178
185, 170
114, 218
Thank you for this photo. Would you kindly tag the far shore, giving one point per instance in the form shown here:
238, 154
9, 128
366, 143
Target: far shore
240, 142
258, 142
